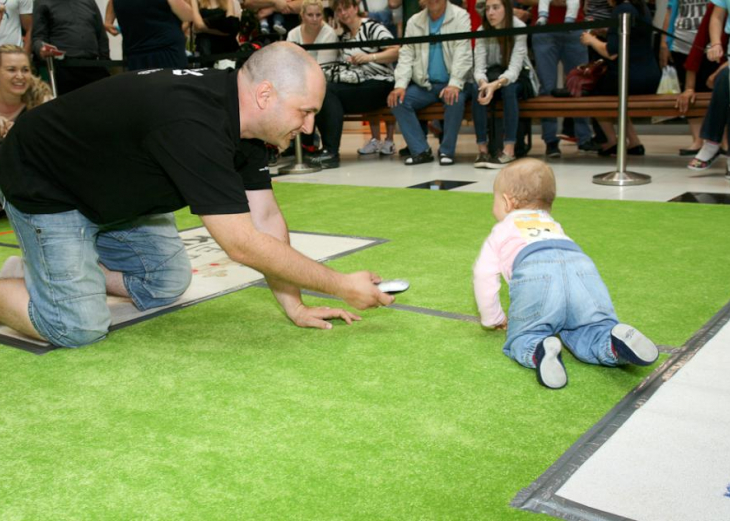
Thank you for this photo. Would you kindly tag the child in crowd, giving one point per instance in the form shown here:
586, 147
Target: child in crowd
554, 287
571, 12
269, 18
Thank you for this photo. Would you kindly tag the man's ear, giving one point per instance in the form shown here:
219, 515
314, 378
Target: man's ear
265, 94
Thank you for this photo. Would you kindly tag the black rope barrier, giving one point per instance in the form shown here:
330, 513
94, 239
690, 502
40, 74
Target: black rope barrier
434, 38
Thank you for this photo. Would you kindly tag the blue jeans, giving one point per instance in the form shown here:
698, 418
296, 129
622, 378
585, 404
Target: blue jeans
717, 117
556, 291
511, 110
67, 286
417, 98
550, 49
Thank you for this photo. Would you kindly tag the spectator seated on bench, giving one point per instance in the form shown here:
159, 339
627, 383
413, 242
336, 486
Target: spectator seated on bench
360, 82
644, 72
427, 73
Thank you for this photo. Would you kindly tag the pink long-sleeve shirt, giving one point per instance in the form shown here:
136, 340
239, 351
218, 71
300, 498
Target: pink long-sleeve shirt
507, 238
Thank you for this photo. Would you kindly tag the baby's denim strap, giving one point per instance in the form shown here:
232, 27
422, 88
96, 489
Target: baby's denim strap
550, 244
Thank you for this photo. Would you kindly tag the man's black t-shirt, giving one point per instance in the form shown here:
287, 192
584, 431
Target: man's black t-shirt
135, 144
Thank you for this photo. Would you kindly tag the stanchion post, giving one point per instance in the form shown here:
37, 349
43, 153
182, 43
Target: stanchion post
299, 166
622, 177
52, 75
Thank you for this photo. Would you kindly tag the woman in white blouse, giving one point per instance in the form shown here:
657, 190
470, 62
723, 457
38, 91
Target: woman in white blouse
313, 29
498, 63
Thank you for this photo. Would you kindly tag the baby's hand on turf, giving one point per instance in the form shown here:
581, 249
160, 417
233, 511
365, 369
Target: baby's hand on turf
502, 326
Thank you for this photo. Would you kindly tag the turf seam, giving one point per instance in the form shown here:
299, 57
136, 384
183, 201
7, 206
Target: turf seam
541, 495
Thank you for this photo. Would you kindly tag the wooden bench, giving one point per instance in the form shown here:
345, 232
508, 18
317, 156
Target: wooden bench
648, 105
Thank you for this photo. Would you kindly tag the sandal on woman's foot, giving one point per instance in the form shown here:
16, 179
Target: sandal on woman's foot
698, 164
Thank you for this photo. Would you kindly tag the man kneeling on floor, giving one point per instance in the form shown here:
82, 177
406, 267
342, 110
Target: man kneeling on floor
89, 182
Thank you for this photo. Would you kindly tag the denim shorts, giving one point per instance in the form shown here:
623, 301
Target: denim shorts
67, 287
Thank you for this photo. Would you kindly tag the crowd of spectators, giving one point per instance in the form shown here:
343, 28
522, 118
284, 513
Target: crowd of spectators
165, 33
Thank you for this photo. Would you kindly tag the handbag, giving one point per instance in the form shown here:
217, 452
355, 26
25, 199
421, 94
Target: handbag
583, 79
527, 78
342, 72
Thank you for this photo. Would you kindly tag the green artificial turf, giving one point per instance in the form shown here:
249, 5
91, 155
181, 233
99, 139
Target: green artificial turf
224, 410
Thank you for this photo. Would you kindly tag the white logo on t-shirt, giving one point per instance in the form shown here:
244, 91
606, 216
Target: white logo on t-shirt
189, 72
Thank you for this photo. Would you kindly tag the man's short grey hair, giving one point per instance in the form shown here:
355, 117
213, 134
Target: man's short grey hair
286, 65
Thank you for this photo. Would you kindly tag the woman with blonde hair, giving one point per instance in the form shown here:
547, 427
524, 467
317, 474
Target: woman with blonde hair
313, 29
20, 90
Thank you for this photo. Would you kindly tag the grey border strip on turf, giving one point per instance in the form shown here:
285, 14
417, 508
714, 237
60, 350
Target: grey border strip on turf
541, 496
43, 349
400, 307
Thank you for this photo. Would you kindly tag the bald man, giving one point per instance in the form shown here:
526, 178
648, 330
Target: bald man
89, 182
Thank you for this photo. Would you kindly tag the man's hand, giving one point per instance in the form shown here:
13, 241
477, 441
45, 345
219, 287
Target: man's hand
305, 316
361, 292
48, 51
685, 100
111, 29
396, 97
450, 94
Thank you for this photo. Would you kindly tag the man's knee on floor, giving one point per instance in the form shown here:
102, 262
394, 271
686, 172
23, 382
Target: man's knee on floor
81, 337
172, 280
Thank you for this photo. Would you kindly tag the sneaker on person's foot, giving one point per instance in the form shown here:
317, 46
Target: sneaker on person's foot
371, 147
424, 157
502, 161
549, 363
264, 28
481, 160
630, 345
387, 148
552, 150
404, 152
13, 268
279, 29
325, 159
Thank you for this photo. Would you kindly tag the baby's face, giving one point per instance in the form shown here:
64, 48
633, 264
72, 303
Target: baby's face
499, 209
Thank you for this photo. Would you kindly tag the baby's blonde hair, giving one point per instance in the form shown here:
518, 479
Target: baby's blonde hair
529, 182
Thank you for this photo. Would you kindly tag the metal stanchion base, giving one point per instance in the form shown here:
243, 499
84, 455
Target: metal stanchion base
622, 179
299, 168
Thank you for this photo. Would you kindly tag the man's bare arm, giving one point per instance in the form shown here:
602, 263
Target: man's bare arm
238, 237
